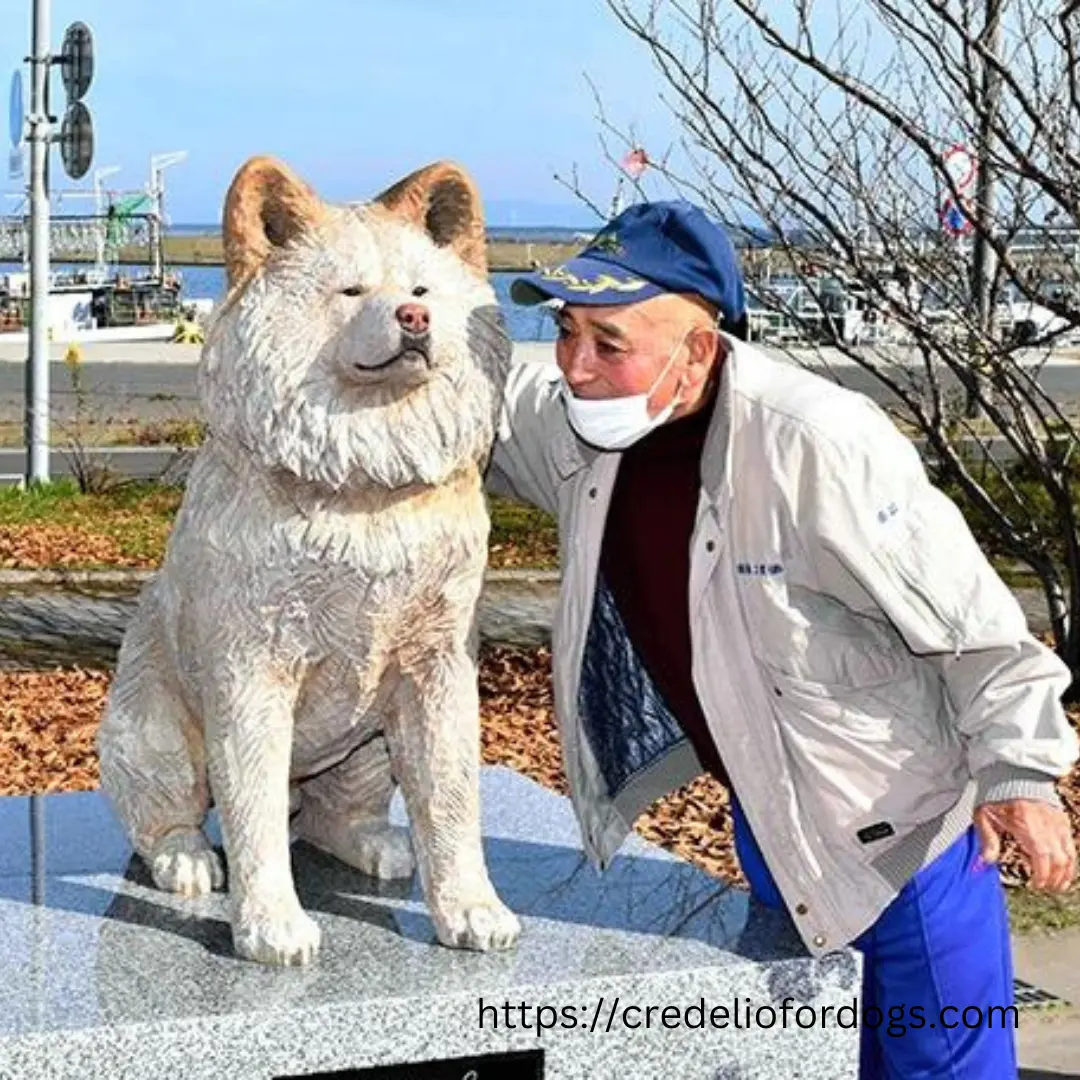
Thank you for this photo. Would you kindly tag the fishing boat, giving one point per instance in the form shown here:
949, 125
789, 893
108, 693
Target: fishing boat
86, 306
92, 295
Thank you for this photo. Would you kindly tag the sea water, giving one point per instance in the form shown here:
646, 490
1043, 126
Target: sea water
208, 282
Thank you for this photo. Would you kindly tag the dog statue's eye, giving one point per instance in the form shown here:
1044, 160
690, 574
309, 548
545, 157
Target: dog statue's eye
353, 290
420, 290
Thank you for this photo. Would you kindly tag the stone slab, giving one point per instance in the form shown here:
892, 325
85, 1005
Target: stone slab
111, 978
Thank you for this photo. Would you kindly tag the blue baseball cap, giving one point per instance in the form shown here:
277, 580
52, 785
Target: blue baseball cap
648, 249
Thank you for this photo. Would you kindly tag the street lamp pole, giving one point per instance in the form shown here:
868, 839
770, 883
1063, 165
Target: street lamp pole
39, 137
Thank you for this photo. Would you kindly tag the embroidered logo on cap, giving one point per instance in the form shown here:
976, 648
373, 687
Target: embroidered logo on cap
609, 243
600, 283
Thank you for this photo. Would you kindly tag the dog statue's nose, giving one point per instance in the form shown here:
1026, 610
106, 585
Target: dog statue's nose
414, 318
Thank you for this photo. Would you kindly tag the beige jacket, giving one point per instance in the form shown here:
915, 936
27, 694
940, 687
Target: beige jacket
866, 675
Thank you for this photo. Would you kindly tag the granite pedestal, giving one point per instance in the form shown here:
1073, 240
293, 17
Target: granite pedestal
110, 978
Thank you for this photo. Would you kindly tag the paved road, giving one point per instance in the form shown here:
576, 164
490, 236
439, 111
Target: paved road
155, 381
170, 463
1049, 1039
135, 462
112, 391
147, 382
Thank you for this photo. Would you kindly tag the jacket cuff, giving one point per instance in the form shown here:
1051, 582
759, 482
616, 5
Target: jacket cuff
1001, 781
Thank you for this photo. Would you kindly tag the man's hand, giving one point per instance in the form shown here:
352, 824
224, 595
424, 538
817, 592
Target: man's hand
1041, 830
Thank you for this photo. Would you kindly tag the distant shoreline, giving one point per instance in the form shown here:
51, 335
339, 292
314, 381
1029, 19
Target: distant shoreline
206, 250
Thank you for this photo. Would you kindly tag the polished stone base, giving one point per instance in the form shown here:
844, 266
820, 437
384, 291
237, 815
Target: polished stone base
630, 972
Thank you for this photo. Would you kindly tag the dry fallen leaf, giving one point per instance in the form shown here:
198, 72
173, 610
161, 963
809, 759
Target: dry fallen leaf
37, 545
48, 724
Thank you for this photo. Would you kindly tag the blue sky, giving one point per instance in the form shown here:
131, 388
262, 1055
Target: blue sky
354, 94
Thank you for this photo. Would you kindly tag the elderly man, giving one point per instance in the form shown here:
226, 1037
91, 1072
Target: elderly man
759, 580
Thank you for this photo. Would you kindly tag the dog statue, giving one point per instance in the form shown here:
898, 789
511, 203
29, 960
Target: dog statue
309, 642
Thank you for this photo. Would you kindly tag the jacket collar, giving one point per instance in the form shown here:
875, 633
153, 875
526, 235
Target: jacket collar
568, 453
716, 454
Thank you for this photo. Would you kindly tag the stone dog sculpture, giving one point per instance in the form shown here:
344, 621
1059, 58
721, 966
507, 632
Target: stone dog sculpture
309, 642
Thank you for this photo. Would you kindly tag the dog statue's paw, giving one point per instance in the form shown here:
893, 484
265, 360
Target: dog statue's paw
384, 853
281, 934
186, 864
487, 925
379, 850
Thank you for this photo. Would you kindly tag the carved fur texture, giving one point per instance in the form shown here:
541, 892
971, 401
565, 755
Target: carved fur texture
309, 642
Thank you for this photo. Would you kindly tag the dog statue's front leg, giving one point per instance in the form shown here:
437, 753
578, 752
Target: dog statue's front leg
433, 732
249, 723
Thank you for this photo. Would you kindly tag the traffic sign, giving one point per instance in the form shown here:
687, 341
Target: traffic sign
77, 60
77, 140
961, 165
16, 111
954, 219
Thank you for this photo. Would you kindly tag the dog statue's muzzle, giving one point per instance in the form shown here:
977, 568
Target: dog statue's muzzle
415, 348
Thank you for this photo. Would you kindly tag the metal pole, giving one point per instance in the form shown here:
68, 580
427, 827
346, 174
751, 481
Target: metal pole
37, 850
158, 164
99, 224
37, 368
984, 258
101, 227
40, 134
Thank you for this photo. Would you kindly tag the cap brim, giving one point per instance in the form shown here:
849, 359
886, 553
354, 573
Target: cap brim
583, 281
527, 292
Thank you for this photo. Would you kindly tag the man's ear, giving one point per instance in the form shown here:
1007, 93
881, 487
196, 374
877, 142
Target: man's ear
266, 208
442, 200
705, 346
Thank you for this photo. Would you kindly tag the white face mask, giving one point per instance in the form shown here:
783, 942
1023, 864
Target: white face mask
616, 423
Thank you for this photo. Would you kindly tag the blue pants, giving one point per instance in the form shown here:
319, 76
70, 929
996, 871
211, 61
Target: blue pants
943, 941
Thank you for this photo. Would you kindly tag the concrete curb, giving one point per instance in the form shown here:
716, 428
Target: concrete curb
59, 616
541, 585
16, 578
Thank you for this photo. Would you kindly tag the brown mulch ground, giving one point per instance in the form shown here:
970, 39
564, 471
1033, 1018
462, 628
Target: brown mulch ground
29, 546
49, 722
58, 545
129, 526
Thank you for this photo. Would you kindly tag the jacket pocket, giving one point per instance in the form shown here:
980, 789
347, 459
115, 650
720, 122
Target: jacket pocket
869, 714
862, 757
812, 637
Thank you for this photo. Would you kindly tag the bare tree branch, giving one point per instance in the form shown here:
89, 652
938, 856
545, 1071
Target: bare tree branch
824, 126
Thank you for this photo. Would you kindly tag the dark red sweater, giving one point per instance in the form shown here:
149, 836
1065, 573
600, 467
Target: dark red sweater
645, 560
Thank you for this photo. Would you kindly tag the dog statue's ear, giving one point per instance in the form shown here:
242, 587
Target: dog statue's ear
267, 206
443, 201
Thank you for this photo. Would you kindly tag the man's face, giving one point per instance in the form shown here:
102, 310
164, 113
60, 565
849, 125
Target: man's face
606, 352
